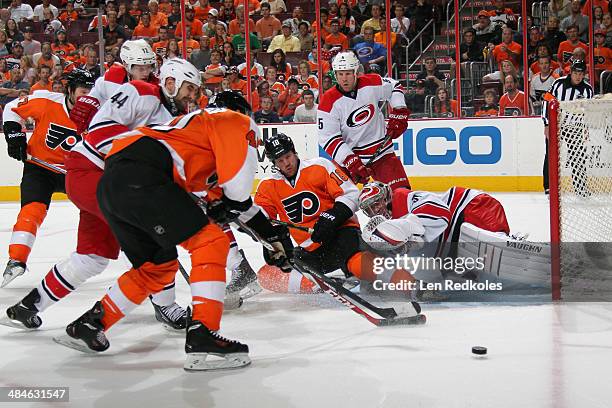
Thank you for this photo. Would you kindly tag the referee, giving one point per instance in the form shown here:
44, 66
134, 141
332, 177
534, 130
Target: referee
569, 88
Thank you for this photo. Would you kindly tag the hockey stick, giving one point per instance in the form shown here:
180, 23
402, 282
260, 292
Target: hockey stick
375, 315
379, 150
183, 272
293, 226
46, 164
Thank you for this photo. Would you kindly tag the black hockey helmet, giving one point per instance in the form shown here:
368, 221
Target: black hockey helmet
232, 101
80, 78
578, 66
277, 145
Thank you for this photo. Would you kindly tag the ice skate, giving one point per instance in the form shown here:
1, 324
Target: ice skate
86, 334
172, 317
242, 286
24, 314
13, 269
207, 350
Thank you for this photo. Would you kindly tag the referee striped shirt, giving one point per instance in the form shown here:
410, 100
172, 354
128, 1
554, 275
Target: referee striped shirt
563, 90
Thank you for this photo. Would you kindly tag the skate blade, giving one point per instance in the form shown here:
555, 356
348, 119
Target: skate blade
9, 277
75, 344
231, 303
250, 290
16, 324
404, 321
202, 362
173, 330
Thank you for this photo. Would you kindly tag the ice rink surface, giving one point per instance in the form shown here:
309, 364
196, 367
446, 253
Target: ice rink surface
309, 351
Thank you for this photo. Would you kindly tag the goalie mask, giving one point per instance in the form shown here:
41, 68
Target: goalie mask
375, 199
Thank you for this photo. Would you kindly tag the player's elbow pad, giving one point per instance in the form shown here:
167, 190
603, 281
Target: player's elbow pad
238, 206
11, 127
342, 212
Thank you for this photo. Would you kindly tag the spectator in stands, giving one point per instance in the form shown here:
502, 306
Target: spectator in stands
5, 73
543, 51
503, 15
415, 101
4, 44
114, 36
236, 84
215, 71
374, 21
326, 83
43, 82
361, 11
212, 21
486, 32
257, 70
602, 54
324, 13
421, 13
173, 50
381, 36
576, 18
276, 87
279, 61
13, 86
159, 47
506, 68
239, 41
306, 39
57, 73
12, 31
45, 57
234, 25
197, 28
347, 22
470, 49
21, 12
434, 79
174, 18
285, 41
277, 7
50, 25
227, 11
69, 14
508, 49
57, 86
230, 58
598, 13
305, 78
333, 9
62, 48
266, 114
306, 112
566, 48
443, 106
145, 29
126, 20
579, 54
512, 103
219, 38
46, 4
190, 43
135, 10
400, 24
14, 59
27, 66
201, 8
559, 8
314, 64
91, 61
157, 18
541, 82
30, 45
200, 58
335, 38
267, 26
552, 36
371, 54
490, 107
296, 19
607, 26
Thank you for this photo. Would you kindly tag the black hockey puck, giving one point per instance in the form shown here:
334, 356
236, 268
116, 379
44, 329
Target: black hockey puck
479, 350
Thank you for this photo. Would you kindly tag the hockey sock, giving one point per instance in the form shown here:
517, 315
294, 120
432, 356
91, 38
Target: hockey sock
29, 219
234, 257
272, 278
361, 265
66, 276
166, 297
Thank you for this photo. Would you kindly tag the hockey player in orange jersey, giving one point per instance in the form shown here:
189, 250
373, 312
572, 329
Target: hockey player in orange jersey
314, 194
54, 135
152, 180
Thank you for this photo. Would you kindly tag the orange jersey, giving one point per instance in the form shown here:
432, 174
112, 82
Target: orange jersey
240, 86
159, 19
319, 184
512, 106
209, 148
201, 13
191, 45
310, 83
39, 87
145, 32
566, 49
535, 67
314, 67
63, 50
603, 58
54, 133
338, 39
501, 55
196, 28
160, 47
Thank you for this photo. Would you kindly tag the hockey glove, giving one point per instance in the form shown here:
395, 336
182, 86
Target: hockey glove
16, 141
220, 212
83, 112
398, 122
358, 172
282, 255
329, 221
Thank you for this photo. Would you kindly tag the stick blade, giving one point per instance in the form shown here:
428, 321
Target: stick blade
417, 320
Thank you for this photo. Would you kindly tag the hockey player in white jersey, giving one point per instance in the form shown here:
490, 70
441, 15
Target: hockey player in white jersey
139, 63
352, 127
135, 104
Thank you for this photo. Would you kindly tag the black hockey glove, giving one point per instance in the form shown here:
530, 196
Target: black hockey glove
329, 221
220, 212
282, 255
16, 141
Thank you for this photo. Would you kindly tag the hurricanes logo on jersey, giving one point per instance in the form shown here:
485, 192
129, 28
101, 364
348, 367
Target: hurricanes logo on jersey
61, 136
304, 203
361, 116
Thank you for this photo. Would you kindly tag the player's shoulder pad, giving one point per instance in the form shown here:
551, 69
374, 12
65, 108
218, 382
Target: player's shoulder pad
369, 80
44, 95
145, 88
329, 98
117, 74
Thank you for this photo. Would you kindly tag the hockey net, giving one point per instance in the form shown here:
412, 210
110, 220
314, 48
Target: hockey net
580, 165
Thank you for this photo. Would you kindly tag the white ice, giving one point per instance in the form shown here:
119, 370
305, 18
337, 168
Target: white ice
308, 351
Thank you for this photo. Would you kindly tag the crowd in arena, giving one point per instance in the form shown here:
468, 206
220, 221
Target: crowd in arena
40, 44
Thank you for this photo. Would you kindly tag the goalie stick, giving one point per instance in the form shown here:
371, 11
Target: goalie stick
375, 315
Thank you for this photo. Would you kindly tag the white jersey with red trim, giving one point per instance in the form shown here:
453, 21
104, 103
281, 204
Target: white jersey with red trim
353, 122
134, 104
106, 85
439, 213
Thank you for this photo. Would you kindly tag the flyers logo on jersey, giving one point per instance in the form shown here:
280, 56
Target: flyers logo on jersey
360, 116
61, 136
304, 203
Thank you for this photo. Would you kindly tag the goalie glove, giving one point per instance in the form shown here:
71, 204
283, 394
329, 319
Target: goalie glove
16, 141
398, 122
358, 172
83, 112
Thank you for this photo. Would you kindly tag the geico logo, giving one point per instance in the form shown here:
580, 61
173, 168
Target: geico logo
441, 146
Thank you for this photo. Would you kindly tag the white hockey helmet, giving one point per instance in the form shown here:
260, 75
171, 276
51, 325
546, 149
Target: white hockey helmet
137, 52
181, 70
345, 61
375, 199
